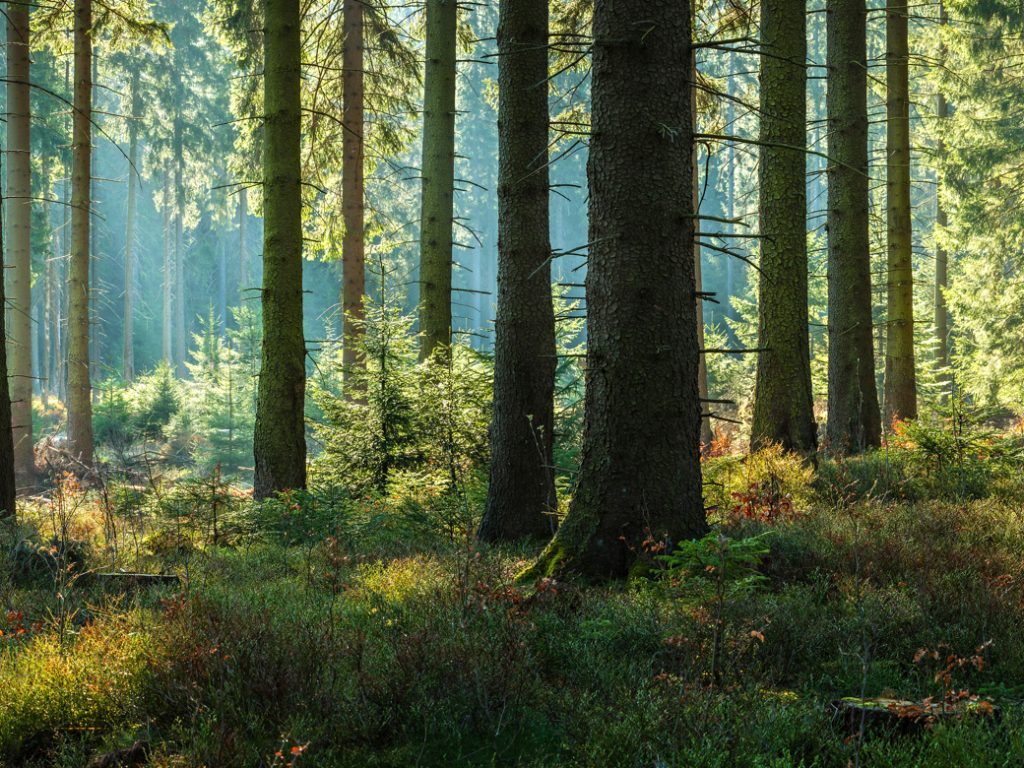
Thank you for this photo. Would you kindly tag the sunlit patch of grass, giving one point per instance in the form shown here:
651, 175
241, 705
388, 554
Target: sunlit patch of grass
398, 581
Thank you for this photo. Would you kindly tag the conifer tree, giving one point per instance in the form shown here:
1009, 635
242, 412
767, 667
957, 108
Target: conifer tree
353, 153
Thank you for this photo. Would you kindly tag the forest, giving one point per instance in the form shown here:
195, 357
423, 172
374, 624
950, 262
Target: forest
533, 383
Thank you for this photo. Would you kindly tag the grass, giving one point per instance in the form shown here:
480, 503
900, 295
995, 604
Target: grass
374, 633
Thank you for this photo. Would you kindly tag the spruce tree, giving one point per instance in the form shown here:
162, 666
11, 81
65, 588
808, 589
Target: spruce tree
353, 153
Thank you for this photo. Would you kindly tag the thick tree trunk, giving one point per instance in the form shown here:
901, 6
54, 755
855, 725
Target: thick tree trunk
8, 489
168, 277
280, 442
352, 251
135, 102
783, 403
79, 387
854, 420
639, 482
900, 379
521, 496
941, 256
438, 171
19, 234
180, 334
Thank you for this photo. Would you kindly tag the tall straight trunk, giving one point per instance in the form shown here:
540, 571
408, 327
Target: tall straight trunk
640, 475
437, 209
854, 420
168, 277
49, 286
94, 257
783, 403
222, 287
521, 495
352, 250
8, 488
180, 335
243, 253
19, 234
80, 441
280, 442
900, 379
941, 256
135, 102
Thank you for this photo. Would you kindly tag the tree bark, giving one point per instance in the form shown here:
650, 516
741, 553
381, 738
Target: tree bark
180, 333
900, 378
352, 249
941, 256
135, 107
783, 402
280, 443
854, 420
80, 441
438, 170
521, 496
243, 253
8, 488
639, 481
19, 234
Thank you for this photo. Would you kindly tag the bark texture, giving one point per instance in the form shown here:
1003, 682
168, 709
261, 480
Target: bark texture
19, 234
135, 102
8, 489
521, 496
352, 247
279, 445
640, 474
80, 441
900, 378
854, 419
438, 170
783, 403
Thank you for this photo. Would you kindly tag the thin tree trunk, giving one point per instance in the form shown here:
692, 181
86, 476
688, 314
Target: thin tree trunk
521, 496
438, 171
639, 482
783, 403
94, 260
280, 443
8, 488
352, 250
135, 101
19, 234
900, 378
168, 281
941, 256
707, 435
80, 440
854, 420
180, 335
243, 253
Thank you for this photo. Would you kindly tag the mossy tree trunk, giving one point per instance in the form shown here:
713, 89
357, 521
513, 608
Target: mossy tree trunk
135, 112
352, 247
438, 170
900, 378
783, 403
854, 419
279, 446
80, 441
640, 479
19, 234
521, 495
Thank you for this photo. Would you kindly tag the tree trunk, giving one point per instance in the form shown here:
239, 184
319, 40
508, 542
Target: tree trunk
243, 253
168, 276
135, 102
352, 251
521, 497
94, 291
280, 442
8, 489
900, 380
438, 171
180, 334
941, 256
639, 486
854, 420
19, 234
783, 403
79, 387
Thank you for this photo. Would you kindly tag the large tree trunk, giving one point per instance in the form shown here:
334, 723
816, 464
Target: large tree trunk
521, 496
280, 442
900, 380
639, 481
135, 106
8, 489
941, 256
854, 420
352, 251
438, 171
19, 234
783, 403
79, 387
180, 334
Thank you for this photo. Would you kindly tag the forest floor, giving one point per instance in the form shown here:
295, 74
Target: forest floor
322, 630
